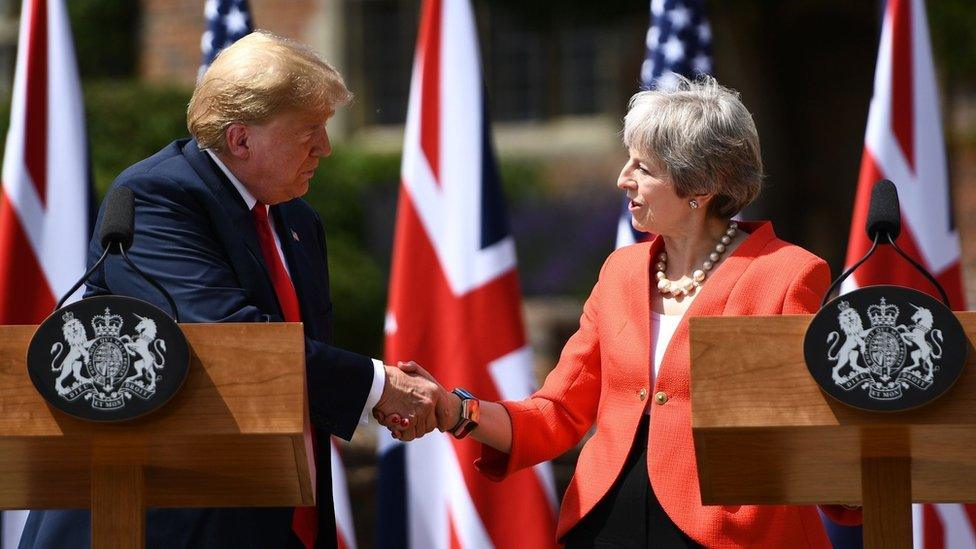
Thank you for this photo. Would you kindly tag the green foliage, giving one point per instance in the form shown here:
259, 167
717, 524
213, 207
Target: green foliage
128, 121
953, 40
105, 36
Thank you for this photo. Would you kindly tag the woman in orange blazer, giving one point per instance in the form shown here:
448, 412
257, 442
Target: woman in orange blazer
694, 162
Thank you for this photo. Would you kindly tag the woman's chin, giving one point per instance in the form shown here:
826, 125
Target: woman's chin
640, 227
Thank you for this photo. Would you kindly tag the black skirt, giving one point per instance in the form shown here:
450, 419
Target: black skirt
629, 516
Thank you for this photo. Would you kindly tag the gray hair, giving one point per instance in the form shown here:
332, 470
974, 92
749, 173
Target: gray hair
705, 138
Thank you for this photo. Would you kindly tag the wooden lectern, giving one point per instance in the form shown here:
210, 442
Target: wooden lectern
766, 434
235, 435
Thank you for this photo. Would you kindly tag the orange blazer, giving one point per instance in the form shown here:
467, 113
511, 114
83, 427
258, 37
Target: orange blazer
603, 376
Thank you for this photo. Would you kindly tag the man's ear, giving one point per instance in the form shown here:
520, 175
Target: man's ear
238, 140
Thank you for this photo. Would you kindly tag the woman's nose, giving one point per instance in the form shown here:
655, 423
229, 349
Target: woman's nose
625, 182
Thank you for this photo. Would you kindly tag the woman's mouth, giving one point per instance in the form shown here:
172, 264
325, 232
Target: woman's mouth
634, 205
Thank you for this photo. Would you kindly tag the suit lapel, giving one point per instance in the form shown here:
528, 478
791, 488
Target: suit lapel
235, 208
713, 295
228, 196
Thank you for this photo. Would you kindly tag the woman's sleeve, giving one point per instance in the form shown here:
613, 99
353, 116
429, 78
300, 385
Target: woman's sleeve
808, 288
555, 417
804, 297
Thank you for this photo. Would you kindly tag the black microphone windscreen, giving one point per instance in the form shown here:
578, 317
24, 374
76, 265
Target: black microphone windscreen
884, 213
118, 218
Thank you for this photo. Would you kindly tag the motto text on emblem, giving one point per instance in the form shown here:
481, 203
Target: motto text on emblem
886, 358
110, 368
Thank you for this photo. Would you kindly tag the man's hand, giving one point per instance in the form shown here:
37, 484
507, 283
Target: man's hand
447, 407
407, 406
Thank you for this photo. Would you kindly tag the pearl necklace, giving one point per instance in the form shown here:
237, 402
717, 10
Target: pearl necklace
690, 286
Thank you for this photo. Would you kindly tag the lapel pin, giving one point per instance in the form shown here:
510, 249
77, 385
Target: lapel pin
295, 236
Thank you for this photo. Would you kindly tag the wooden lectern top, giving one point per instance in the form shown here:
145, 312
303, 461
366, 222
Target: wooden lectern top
235, 434
766, 434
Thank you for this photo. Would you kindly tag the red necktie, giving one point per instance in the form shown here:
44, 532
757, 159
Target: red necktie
305, 520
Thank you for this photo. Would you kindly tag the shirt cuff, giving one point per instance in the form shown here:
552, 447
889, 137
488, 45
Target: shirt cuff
375, 392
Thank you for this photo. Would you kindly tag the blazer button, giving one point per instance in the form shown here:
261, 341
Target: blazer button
661, 397
642, 394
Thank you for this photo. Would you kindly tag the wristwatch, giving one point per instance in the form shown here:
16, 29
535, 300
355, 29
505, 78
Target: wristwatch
470, 414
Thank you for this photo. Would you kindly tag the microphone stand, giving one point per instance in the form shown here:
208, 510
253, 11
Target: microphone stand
121, 251
874, 247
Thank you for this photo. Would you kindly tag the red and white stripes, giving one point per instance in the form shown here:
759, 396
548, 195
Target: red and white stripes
44, 204
904, 143
455, 303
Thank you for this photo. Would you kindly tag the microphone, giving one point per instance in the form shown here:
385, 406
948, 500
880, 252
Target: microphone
883, 227
118, 221
116, 234
884, 213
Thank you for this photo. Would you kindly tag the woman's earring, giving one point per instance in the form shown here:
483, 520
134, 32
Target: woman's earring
693, 204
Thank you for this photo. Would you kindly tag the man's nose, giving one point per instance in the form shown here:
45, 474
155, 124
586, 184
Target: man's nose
323, 145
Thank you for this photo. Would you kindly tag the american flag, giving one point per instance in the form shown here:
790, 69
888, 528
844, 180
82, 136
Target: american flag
227, 21
679, 41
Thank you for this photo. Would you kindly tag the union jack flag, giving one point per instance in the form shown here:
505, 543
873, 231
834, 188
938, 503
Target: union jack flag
226, 22
455, 306
904, 143
45, 200
679, 41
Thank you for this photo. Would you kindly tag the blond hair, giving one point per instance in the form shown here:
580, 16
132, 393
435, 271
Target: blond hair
705, 138
256, 78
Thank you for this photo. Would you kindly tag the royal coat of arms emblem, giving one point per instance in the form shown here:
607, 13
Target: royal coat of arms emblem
874, 358
885, 348
112, 367
117, 370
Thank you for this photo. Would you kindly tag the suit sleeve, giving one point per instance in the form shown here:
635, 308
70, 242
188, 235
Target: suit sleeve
554, 418
176, 245
804, 297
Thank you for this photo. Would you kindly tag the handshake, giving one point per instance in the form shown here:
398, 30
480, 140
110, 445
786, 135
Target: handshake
414, 404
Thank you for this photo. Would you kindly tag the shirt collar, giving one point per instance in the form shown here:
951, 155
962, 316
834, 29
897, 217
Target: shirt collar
249, 199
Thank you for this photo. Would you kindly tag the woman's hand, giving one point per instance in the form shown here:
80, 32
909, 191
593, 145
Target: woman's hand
447, 406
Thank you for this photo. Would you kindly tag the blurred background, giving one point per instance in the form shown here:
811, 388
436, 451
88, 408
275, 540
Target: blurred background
558, 76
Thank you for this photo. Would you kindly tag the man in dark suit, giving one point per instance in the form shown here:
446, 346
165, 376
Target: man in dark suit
220, 224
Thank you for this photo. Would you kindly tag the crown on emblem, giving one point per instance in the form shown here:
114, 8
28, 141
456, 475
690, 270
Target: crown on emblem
843, 306
107, 325
883, 314
68, 316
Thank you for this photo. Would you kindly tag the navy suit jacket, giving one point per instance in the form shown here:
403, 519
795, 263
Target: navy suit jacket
196, 237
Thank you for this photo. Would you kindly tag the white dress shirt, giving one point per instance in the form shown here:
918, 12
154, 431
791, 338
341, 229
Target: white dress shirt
379, 372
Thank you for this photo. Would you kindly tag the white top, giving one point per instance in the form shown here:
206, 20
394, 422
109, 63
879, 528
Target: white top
379, 372
662, 329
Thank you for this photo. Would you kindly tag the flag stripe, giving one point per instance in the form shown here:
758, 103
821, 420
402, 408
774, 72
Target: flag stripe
429, 48
903, 142
25, 297
902, 81
35, 128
